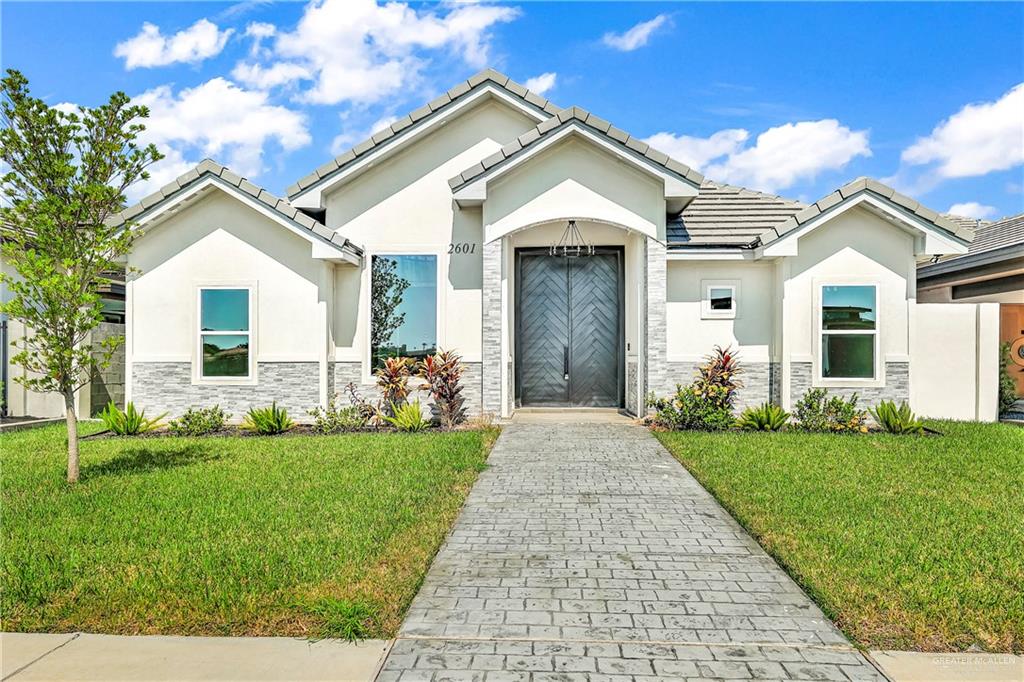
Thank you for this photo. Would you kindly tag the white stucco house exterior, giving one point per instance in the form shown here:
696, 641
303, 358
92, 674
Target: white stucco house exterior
239, 297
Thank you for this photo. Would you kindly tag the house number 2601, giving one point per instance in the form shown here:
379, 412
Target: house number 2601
462, 247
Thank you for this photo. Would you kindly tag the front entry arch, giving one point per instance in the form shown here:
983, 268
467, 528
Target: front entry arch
569, 333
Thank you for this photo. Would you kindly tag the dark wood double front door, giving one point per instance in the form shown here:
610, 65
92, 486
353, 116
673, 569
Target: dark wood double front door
569, 329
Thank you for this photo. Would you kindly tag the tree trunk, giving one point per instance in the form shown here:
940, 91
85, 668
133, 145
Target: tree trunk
72, 422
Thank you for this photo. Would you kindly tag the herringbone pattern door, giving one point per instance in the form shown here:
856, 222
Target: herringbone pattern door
594, 331
569, 330
543, 330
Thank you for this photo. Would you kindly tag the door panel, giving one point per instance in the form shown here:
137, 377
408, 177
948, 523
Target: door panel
594, 324
569, 330
543, 331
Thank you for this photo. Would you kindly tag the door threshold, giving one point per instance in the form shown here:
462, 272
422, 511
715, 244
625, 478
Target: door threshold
574, 410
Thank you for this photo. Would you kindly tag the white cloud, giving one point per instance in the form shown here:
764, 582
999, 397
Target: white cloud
973, 209
696, 152
977, 140
360, 52
783, 155
220, 120
635, 37
149, 48
779, 158
346, 139
259, 31
263, 78
542, 83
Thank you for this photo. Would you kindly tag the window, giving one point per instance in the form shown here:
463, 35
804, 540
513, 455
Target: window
719, 300
224, 333
403, 307
849, 331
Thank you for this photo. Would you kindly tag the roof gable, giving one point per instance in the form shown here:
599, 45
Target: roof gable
468, 185
487, 82
170, 198
941, 235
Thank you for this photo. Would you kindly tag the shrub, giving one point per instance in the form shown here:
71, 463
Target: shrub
443, 373
407, 417
688, 409
334, 419
128, 422
368, 411
268, 421
816, 411
393, 381
765, 417
198, 422
1007, 386
716, 378
706, 404
895, 419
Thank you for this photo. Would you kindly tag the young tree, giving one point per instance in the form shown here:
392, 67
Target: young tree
66, 175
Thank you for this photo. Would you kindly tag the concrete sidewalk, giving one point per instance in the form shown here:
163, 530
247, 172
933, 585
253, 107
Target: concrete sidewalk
76, 656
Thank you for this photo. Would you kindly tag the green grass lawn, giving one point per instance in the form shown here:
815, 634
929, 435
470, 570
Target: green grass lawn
907, 542
304, 535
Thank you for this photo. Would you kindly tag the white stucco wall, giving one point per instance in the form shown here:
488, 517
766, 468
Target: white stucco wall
219, 240
22, 402
404, 206
574, 179
954, 373
856, 248
690, 338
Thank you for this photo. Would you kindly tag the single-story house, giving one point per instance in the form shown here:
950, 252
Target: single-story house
568, 262
106, 384
991, 271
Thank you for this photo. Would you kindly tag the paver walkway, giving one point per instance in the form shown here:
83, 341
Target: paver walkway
588, 553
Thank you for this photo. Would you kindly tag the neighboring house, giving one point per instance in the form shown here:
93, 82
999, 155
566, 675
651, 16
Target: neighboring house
991, 271
242, 297
106, 385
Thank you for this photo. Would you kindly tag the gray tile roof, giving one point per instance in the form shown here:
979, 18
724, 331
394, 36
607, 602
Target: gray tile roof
397, 129
736, 217
989, 236
210, 168
564, 118
723, 215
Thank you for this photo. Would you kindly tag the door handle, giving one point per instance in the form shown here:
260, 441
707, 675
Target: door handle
565, 361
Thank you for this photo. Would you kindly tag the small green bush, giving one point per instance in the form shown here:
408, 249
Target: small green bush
690, 410
896, 419
198, 421
764, 417
334, 419
268, 421
817, 411
407, 417
128, 422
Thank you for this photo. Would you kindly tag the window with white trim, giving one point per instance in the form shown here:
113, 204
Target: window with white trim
225, 334
403, 307
719, 300
848, 321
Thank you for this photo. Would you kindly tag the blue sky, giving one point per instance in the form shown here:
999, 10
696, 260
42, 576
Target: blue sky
790, 98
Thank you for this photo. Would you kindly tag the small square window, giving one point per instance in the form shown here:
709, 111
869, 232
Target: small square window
719, 300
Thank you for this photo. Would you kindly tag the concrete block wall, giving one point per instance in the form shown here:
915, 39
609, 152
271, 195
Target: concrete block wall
107, 383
